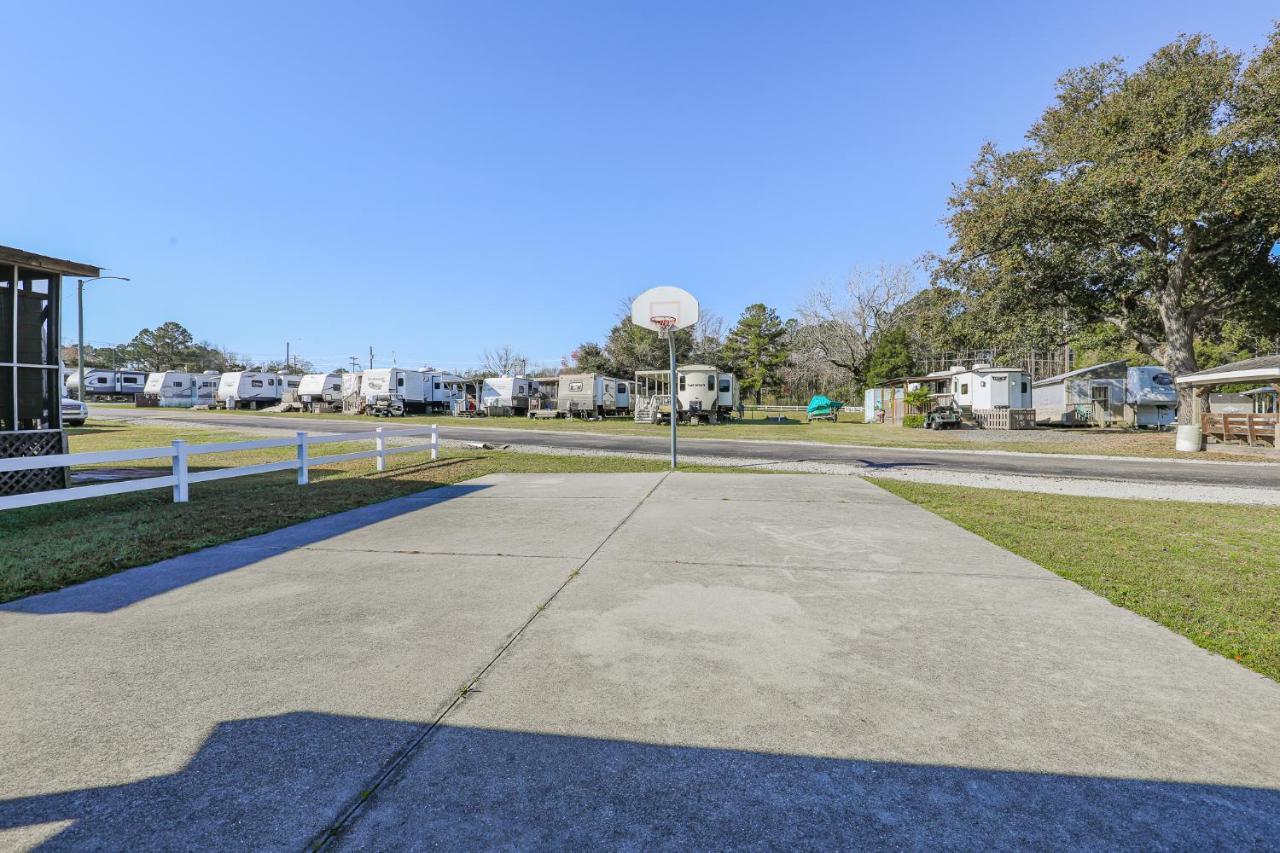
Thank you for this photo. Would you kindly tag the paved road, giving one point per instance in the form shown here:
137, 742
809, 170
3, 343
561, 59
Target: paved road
634, 661
1129, 470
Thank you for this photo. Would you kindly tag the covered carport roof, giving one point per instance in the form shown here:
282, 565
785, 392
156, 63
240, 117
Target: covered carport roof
9, 255
1262, 369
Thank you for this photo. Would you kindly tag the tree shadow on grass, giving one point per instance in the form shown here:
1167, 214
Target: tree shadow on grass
279, 782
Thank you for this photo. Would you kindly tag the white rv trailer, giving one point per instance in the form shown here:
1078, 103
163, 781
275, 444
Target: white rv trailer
395, 382
703, 393
439, 389
250, 388
1150, 397
592, 395
108, 384
319, 392
507, 395
175, 389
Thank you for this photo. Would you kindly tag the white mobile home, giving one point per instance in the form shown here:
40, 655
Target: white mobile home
319, 392
249, 388
984, 388
1087, 395
1150, 397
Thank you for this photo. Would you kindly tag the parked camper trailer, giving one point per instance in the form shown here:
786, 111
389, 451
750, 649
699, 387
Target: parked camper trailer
703, 394
175, 389
248, 388
320, 392
439, 390
1150, 398
385, 384
1088, 395
592, 395
289, 385
102, 384
507, 395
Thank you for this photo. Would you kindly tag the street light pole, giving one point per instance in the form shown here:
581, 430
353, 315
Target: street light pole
80, 325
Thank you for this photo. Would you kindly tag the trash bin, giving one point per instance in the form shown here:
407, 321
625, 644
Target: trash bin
1189, 439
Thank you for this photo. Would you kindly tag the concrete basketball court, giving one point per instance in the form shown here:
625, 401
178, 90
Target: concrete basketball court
621, 660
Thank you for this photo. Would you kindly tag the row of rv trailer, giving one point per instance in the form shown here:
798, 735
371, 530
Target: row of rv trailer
1102, 394
704, 393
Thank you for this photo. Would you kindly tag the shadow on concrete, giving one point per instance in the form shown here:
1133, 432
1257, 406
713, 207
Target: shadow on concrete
130, 586
274, 782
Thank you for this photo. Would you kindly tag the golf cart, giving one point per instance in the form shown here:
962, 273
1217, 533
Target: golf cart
943, 417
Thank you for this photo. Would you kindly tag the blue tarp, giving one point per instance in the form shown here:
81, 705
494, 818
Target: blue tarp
822, 407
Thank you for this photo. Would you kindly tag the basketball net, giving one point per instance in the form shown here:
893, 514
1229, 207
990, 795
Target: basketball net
664, 323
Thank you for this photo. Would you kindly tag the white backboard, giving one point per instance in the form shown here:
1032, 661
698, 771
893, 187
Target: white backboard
664, 302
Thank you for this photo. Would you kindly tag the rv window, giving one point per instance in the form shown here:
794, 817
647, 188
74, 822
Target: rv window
1162, 379
711, 383
335, 387
575, 386
622, 388
437, 386
255, 383
681, 383
399, 381
102, 380
1024, 387
132, 380
725, 386
177, 383
964, 388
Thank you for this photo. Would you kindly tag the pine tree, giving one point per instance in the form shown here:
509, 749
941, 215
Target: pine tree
756, 350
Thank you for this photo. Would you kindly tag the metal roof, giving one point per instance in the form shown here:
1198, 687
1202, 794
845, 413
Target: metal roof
1079, 371
1249, 369
9, 255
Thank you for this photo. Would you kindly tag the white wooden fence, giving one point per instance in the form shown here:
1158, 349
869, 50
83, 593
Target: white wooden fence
180, 453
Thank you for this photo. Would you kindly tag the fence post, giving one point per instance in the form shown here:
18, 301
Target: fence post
380, 442
179, 471
435, 442
303, 479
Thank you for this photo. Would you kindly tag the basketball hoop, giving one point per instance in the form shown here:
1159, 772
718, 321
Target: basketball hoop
663, 309
664, 323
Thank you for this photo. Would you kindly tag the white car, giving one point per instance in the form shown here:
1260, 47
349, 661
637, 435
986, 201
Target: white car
74, 412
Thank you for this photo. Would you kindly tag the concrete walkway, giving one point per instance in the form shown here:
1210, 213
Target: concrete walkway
632, 661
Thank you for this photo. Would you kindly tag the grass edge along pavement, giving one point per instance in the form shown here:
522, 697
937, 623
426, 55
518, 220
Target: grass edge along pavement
1210, 572
1134, 444
45, 548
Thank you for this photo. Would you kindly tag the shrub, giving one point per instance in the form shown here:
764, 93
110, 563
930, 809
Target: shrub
913, 421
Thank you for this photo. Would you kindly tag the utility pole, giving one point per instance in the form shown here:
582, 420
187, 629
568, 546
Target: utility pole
355, 362
287, 361
371, 358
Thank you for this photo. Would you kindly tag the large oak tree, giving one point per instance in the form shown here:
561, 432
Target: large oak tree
1147, 199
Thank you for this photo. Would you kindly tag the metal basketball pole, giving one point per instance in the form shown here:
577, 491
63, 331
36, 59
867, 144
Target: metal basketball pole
671, 346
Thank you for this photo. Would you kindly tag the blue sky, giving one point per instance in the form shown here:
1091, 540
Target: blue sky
436, 179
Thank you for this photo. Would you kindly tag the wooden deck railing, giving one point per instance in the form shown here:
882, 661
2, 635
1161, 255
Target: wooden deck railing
1229, 426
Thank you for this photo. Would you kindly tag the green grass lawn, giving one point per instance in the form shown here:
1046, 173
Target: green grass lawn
1211, 572
53, 546
849, 430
